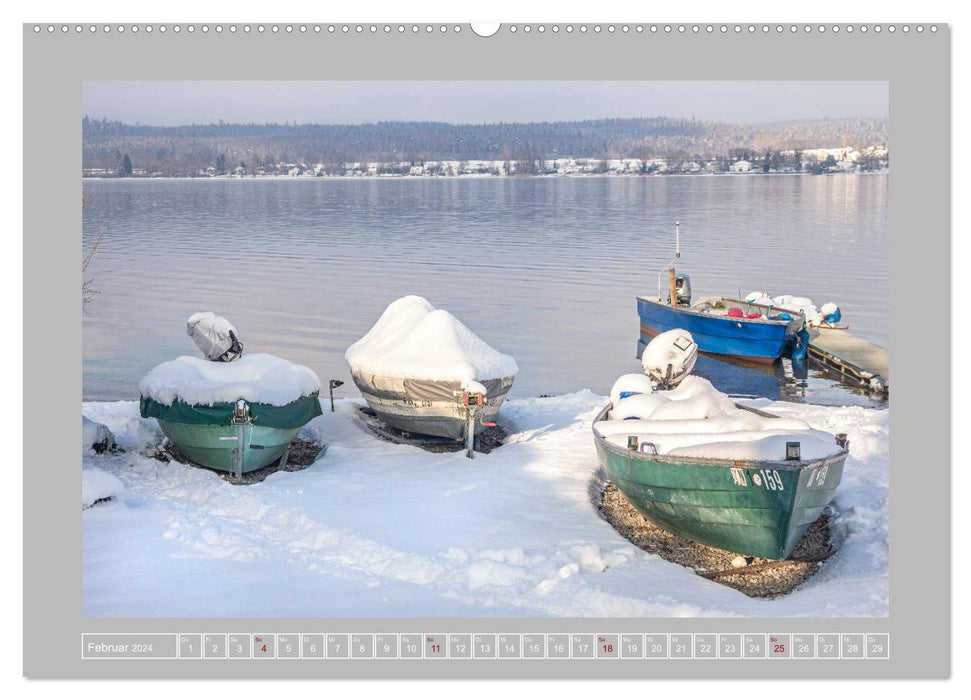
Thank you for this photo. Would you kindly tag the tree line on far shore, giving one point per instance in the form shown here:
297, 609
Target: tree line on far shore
651, 145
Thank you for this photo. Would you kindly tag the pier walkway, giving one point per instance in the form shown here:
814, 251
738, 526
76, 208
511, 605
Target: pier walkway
858, 360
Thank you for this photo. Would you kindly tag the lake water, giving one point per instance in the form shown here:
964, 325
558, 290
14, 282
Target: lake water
545, 269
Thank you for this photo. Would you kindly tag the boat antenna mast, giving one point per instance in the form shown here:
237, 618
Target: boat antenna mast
677, 256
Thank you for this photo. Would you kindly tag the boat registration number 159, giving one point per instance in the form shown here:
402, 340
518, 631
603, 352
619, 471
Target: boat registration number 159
768, 479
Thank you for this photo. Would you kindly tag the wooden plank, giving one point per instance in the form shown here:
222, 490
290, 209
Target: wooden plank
855, 352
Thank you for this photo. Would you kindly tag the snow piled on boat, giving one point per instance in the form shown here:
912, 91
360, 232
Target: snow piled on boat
377, 529
414, 340
696, 420
257, 378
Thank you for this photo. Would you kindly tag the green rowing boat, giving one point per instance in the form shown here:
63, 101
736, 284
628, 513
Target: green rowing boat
758, 508
235, 437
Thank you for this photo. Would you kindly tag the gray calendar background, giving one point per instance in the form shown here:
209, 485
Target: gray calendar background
918, 70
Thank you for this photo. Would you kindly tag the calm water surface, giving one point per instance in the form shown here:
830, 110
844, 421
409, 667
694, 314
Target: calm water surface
545, 269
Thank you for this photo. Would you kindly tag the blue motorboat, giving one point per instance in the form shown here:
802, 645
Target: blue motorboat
720, 325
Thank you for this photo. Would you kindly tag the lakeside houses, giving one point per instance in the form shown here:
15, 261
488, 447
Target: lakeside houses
814, 160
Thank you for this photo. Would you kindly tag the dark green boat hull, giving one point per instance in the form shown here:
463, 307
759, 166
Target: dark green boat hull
206, 434
760, 509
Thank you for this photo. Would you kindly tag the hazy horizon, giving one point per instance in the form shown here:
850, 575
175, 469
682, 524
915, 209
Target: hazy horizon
182, 103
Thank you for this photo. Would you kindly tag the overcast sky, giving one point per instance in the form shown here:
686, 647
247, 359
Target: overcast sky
174, 103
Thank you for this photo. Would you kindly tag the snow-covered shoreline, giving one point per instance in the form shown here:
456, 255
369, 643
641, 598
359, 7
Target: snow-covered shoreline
377, 529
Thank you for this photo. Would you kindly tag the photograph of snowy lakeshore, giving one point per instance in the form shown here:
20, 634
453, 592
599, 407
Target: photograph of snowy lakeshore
456, 237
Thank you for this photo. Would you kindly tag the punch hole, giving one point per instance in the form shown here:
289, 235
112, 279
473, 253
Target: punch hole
513, 28
162, 28
36, 28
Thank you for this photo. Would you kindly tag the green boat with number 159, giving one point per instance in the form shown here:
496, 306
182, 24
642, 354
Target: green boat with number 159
754, 507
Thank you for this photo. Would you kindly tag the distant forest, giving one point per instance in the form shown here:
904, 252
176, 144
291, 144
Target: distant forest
187, 150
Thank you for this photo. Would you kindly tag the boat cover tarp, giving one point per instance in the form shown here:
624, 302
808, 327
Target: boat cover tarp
428, 390
215, 336
292, 415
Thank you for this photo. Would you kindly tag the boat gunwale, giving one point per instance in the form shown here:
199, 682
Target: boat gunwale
679, 460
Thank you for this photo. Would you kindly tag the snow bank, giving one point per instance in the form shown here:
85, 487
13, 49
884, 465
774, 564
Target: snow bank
523, 538
257, 378
97, 484
95, 437
413, 340
697, 420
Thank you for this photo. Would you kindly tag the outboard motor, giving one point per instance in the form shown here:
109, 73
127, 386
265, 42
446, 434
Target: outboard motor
215, 336
800, 346
669, 358
682, 286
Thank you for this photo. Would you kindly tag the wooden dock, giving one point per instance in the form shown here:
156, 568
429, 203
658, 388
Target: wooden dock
857, 361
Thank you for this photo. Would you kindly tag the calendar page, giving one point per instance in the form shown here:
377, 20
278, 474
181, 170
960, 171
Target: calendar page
519, 350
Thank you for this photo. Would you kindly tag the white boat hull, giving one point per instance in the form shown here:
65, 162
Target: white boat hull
427, 407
